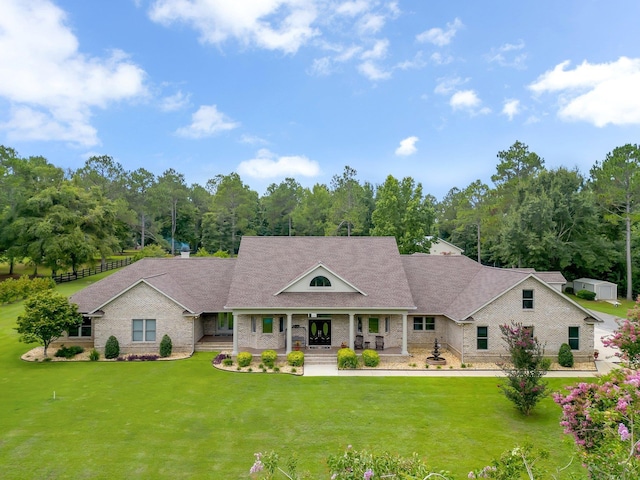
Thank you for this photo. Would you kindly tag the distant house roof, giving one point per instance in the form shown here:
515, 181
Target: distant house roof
198, 284
442, 247
593, 281
372, 265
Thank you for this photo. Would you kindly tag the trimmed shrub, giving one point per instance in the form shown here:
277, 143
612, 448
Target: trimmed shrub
347, 358
165, 346
69, 352
221, 357
569, 290
370, 358
94, 355
565, 355
586, 295
244, 359
295, 359
112, 348
227, 362
269, 358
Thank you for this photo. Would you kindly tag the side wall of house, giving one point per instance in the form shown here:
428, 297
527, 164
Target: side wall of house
143, 302
550, 317
426, 338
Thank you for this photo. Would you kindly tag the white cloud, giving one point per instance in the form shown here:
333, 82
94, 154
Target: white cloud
505, 57
370, 23
447, 85
283, 25
207, 121
440, 37
469, 101
52, 87
601, 93
439, 59
511, 108
373, 72
269, 165
407, 146
353, 8
253, 140
174, 102
321, 67
379, 50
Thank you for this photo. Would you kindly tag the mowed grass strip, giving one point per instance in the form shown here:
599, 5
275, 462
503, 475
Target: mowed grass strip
184, 419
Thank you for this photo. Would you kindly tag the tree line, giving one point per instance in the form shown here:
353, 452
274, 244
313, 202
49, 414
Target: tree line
531, 217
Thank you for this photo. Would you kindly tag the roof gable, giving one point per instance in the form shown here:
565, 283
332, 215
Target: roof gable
303, 282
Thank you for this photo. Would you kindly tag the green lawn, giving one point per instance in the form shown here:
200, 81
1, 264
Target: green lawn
605, 307
184, 419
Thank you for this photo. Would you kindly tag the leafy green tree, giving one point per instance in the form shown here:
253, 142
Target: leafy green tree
516, 164
616, 184
311, 215
404, 213
233, 213
47, 315
139, 185
348, 210
279, 203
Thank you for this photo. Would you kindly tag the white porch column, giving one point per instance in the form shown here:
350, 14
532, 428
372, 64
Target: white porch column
405, 351
235, 335
352, 337
289, 326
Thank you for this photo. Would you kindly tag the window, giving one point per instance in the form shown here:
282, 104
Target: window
527, 299
359, 326
373, 325
144, 330
82, 330
574, 338
253, 324
424, 323
320, 281
281, 324
267, 325
482, 338
387, 324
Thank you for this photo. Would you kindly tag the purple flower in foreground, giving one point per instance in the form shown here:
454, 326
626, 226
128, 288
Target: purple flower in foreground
623, 431
368, 474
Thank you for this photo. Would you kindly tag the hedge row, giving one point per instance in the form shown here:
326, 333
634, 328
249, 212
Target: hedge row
12, 290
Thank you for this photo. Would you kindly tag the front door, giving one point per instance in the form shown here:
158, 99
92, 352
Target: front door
320, 332
225, 324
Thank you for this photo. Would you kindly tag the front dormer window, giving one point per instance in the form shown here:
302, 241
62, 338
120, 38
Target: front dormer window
320, 281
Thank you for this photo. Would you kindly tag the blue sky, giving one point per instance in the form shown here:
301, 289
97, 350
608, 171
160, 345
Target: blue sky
300, 88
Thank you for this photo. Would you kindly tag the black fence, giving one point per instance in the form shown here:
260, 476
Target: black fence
87, 272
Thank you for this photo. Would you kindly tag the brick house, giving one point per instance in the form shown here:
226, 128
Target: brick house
323, 292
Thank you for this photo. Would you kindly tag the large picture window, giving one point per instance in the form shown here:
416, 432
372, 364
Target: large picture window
267, 325
143, 330
424, 323
374, 327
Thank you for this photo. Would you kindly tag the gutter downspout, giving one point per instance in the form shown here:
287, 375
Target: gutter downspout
462, 349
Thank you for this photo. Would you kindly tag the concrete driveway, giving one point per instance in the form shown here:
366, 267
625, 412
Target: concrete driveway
607, 358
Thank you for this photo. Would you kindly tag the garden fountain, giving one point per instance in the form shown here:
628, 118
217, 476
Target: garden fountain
435, 358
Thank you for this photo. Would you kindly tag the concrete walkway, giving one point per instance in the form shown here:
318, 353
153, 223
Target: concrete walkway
606, 361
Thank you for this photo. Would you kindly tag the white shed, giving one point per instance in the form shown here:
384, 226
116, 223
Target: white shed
604, 290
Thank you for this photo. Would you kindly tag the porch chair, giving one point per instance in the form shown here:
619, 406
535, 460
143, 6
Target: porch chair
358, 343
379, 342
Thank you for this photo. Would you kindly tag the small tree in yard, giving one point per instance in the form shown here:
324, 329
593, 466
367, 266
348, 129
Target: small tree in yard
165, 346
626, 338
47, 315
524, 385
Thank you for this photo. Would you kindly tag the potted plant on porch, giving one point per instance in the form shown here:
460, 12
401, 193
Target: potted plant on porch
296, 345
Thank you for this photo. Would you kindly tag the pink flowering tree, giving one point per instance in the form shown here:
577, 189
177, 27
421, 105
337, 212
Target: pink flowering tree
627, 337
601, 418
523, 384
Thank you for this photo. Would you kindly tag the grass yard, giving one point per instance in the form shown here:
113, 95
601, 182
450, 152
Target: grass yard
605, 307
184, 419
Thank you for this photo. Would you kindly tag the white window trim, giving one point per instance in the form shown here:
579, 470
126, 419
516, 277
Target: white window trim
145, 330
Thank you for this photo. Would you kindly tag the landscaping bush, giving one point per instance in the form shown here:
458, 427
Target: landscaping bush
165, 346
370, 358
94, 355
569, 290
244, 359
112, 348
12, 290
69, 352
586, 295
220, 358
295, 359
227, 362
565, 355
347, 358
269, 358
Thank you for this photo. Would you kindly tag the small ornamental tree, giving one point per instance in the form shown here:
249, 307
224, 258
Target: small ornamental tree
523, 384
47, 315
112, 348
601, 418
166, 346
626, 337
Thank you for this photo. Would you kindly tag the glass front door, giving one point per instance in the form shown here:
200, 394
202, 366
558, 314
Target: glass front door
320, 332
